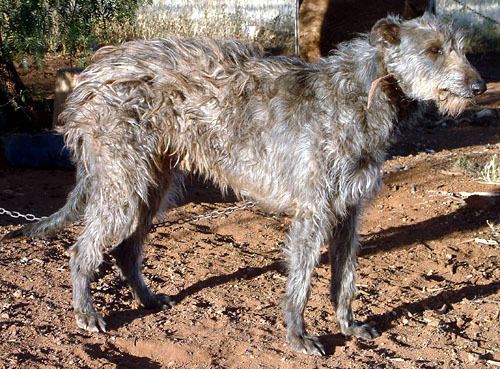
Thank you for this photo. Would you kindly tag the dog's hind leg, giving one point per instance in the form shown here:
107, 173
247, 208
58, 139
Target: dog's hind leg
129, 255
115, 213
343, 249
85, 258
303, 248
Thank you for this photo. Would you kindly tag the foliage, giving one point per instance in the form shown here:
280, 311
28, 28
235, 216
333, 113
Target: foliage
268, 23
22, 27
34, 27
488, 172
467, 165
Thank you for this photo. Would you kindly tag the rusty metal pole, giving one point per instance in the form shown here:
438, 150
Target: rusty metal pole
296, 25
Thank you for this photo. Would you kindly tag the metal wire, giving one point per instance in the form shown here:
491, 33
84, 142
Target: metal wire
212, 215
469, 8
194, 218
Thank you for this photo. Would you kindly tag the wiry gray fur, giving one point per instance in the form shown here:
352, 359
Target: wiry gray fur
293, 137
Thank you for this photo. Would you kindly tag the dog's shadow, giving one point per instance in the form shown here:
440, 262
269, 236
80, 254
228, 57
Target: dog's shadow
396, 237
120, 318
463, 219
119, 357
383, 322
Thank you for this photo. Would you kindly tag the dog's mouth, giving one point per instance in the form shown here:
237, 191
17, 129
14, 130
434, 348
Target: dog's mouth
452, 103
445, 94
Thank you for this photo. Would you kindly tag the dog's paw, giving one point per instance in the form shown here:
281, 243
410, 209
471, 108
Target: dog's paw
360, 330
159, 301
309, 345
91, 322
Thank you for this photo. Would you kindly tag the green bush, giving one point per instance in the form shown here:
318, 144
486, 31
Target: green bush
35, 27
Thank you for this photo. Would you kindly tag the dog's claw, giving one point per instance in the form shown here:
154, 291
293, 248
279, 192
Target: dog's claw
159, 301
360, 330
164, 301
309, 345
91, 322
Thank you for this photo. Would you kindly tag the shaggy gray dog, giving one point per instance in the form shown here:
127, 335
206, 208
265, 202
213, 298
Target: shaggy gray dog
305, 139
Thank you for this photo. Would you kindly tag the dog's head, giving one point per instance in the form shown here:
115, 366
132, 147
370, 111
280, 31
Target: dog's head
427, 59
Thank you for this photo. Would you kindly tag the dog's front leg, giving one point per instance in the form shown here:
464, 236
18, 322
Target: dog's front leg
302, 249
343, 249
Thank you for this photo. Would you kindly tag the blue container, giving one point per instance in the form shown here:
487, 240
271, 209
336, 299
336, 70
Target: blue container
41, 150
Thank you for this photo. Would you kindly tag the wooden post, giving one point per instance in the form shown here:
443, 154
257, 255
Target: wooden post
66, 80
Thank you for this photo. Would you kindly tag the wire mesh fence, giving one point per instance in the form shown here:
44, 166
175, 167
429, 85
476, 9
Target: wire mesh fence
270, 23
480, 17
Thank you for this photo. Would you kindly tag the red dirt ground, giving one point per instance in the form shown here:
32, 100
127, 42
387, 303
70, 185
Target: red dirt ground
425, 279
428, 275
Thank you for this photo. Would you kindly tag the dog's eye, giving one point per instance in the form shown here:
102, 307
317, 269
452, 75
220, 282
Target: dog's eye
436, 50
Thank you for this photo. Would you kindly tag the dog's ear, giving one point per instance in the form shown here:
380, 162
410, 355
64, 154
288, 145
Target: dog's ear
385, 32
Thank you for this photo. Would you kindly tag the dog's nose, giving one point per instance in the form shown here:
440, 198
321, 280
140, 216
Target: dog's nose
478, 87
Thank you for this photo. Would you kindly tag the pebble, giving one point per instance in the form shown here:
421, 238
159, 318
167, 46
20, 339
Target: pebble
473, 357
485, 113
443, 309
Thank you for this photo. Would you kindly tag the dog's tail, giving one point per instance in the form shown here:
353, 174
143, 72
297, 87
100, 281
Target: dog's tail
69, 213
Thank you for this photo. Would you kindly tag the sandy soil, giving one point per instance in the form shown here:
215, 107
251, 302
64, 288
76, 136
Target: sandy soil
428, 275
427, 280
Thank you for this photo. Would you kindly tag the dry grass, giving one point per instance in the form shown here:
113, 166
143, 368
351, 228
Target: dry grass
477, 169
270, 25
490, 173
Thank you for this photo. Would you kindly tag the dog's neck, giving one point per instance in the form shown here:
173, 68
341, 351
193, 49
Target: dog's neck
364, 65
359, 72
384, 86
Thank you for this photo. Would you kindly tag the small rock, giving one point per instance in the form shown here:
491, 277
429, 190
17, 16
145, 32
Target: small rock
485, 113
433, 322
443, 309
461, 322
473, 357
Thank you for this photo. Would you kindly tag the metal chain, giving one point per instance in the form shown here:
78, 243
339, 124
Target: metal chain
16, 214
194, 218
212, 215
